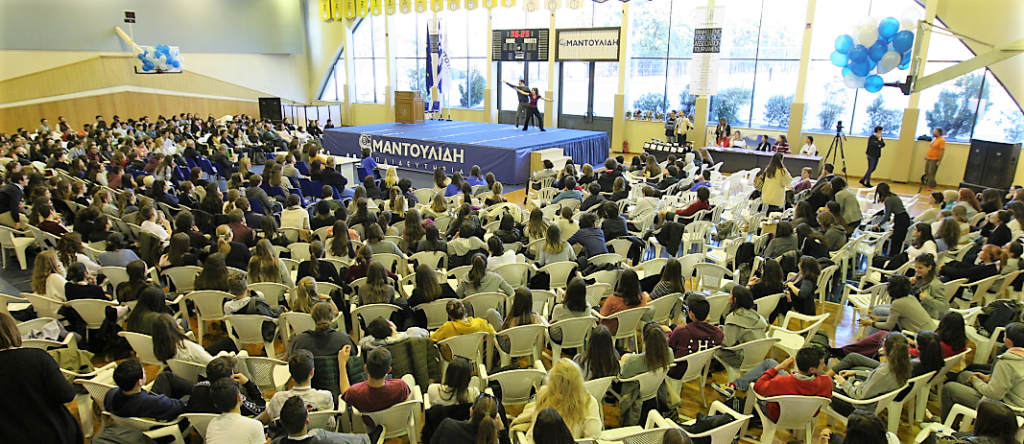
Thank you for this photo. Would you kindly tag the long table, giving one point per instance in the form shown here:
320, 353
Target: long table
739, 159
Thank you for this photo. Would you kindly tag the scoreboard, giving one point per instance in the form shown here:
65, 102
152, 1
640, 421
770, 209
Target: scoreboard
519, 45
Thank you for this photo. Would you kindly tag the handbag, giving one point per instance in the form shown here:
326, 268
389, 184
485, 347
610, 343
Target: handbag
759, 181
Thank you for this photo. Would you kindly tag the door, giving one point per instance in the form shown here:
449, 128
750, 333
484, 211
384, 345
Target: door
587, 95
534, 73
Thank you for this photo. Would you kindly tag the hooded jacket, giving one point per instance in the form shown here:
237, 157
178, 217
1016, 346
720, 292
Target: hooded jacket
741, 326
143, 404
461, 327
491, 282
692, 338
1006, 384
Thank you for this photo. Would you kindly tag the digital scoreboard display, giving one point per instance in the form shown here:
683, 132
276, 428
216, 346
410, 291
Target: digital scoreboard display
519, 45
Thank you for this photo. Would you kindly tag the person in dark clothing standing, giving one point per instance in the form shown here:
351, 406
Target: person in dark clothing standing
531, 109
522, 93
875, 145
34, 393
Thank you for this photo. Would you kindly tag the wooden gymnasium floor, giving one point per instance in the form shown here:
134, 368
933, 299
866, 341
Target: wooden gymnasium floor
841, 327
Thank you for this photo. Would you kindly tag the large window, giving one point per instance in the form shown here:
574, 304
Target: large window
467, 51
758, 66
334, 88
369, 54
410, 34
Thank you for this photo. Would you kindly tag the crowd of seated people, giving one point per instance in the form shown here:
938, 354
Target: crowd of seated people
122, 196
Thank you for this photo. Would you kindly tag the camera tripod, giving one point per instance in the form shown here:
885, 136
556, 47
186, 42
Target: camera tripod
836, 148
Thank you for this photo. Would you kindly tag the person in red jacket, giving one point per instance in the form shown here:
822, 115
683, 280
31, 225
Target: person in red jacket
695, 336
775, 380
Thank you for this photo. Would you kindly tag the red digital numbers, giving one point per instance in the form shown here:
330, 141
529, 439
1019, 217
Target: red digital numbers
520, 34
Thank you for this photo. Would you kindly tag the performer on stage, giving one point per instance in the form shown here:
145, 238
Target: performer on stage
531, 109
523, 92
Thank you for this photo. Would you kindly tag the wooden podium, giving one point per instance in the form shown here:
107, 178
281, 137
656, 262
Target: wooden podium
408, 107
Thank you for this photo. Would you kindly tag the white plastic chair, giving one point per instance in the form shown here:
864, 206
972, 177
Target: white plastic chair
368, 313
92, 311
596, 292
649, 383
696, 233
435, 311
609, 277
143, 346
19, 244
712, 276
615, 259
431, 259
938, 382
515, 274
248, 329
268, 373
115, 276
575, 332
273, 292
721, 435
517, 384
875, 405
300, 251
392, 262
629, 322
792, 341
524, 340
294, 320
183, 278
980, 291
209, 307
795, 413
8, 302
470, 346
663, 307
767, 304
825, 282
697, 365
199, 421
985, 345
188, 370
918, 387
481, 302
44, 306
559, 272
719, 303
152, 428
754, 353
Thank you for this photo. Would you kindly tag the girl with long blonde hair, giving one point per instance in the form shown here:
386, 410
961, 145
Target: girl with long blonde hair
243, 167
390, 178
48, 276
307, 296
265, 266
224, 237
565, 392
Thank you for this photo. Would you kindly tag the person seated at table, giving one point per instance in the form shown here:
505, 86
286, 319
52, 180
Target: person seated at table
809, 149
737, 140
765, 144
781, 145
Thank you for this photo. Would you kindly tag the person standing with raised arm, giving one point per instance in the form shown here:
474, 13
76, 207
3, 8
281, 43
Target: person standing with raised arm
875, 145
522, 93
532, 111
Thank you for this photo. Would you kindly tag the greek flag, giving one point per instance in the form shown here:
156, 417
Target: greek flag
439, 71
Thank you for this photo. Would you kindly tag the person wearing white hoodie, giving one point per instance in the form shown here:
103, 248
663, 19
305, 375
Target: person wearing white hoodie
1005, 382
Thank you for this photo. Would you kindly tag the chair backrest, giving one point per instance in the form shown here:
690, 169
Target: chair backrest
183, 278
92, 311
299, 250
649, 382
629, 321
596, 292
468, 345
435, 311
517, 384
431, 259
267, 373
188, 370
615, 258
796, 411
599, 387
272, 291
481, 302
719, 303
297, 321
650, 268
115, 275
200, 421
917, 385
609, 277
574, 330
753, 352
44, 306
515, 274
249, 328
559, 272
825, 281
808, 331
397, 418
523, 339
209, 303
696, 363
97, 389
143, 346
459, 273
712, 276
766, 305
663, 306
948, 365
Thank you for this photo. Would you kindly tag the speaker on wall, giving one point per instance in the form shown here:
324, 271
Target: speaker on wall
270, 108
991, 164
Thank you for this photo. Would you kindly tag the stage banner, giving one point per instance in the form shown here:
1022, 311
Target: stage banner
421, 6
376, 7
349, 8
362, 8
490, 4
552, 5
598, 44
508, 3
405, 6
390, 7
437, 5
707, 44
453, 5
531, 5
337, 9
325, 10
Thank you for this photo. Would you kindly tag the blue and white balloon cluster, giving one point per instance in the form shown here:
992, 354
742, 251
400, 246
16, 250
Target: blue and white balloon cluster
873, 48
160, 58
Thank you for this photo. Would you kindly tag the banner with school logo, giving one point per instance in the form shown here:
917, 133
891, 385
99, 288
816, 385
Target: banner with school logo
597, 44
421, 6
362, 8
531, 5
376, 7
390, 7
453, 5
325, 10
707, 44
349, 7
405, 6
337, 9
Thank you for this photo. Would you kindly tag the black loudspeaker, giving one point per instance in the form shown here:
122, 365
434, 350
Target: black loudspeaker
270, 108
991, 165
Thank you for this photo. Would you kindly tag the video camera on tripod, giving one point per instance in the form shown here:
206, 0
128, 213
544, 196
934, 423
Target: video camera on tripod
837, 148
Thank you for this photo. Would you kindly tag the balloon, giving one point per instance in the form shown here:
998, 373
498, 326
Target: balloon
867, 35
844, 43
873, 84
151, 57
860, 69
889, 62
903, 41
176, 64
888, 27
904, 66
839, 59
853, 81
142, 57
871, 64
868, 21
908, 25
878, 50
906, 59
148, 66
846, 72
911, 14
174, 51
858, 54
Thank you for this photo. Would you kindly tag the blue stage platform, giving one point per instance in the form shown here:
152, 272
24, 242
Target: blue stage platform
457, 146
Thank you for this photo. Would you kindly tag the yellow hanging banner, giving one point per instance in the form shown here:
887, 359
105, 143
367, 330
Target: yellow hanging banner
508, 3
421, 6
349, 8
376, 7
490, 4
472, 4
437, 5
552, 5
362, 8
453, 5
336, 9
390, 7
528, 5
405, 6
325, 10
